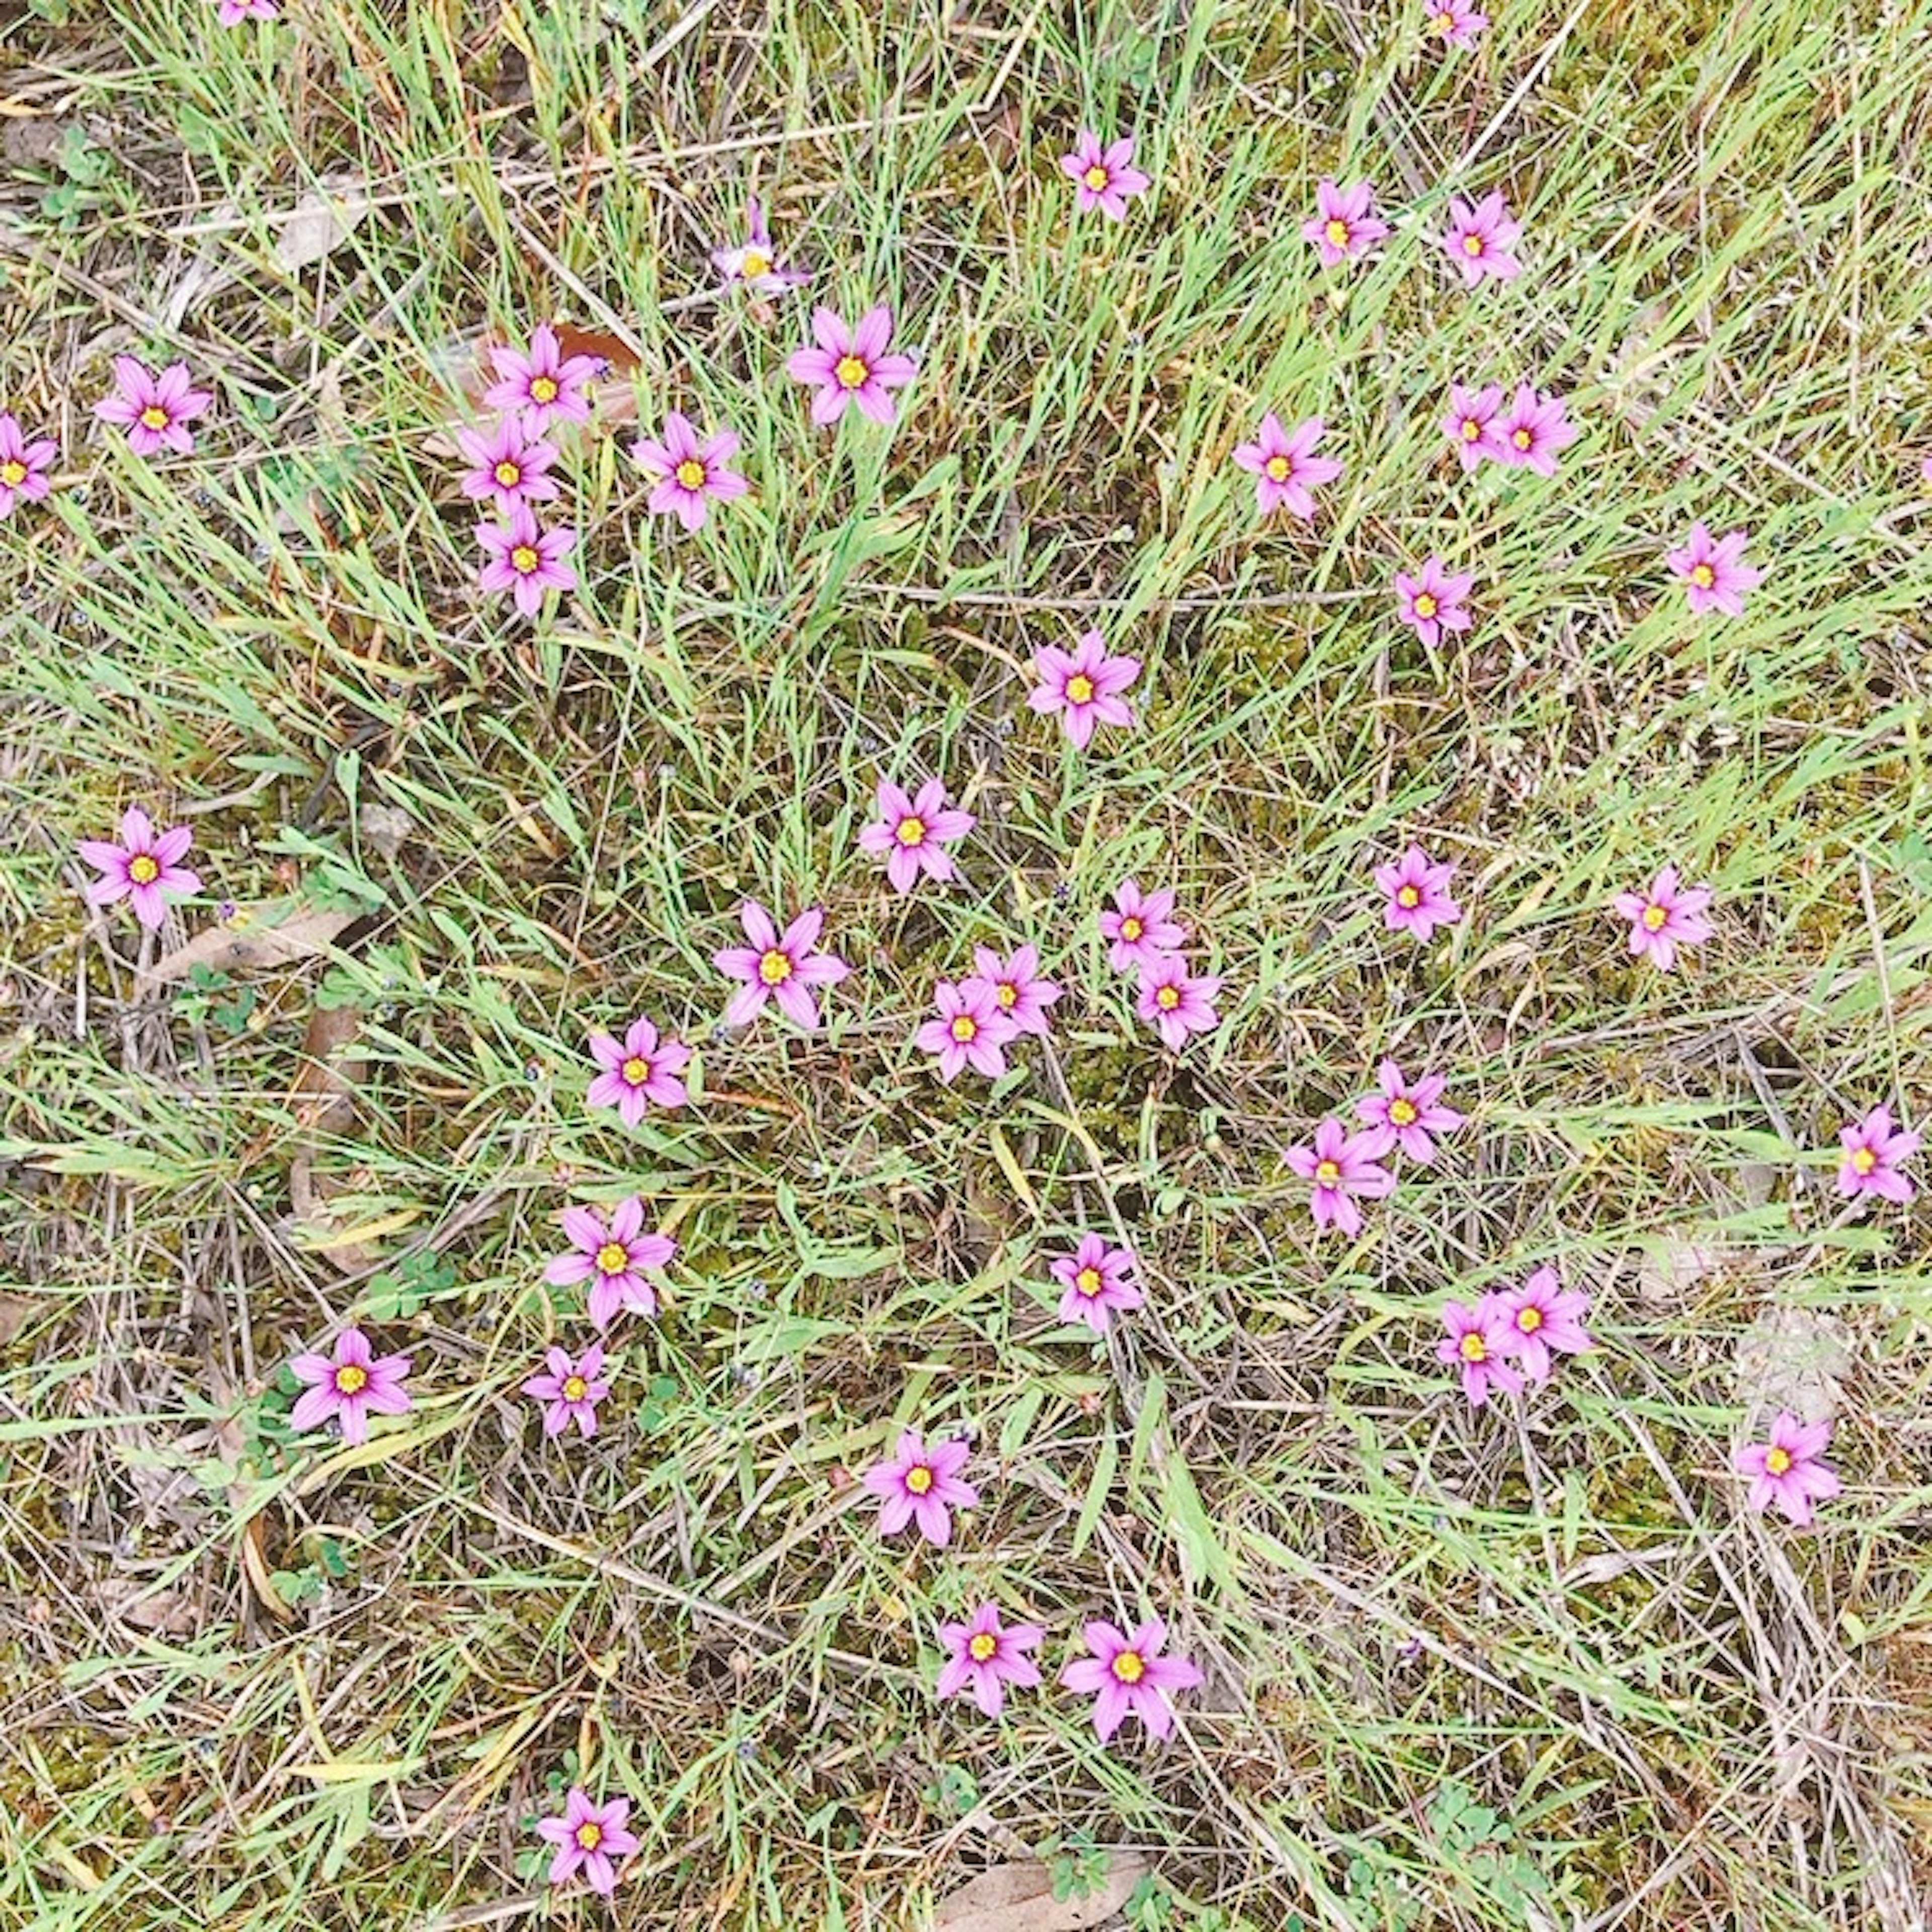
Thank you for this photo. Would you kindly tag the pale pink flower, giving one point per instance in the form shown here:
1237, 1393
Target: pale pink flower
144, 868
1093, 1280
985, 1655
155, 410
852, 365
544, 385
1018, 987
912, 832
916, 1484
1431, 600
1084, 688
1141, 928
1533, 431
25, 466
755, 262
590, 1838
971, 1030
691, 474
638, 1074
350, 1387
1344, 224
1284, 469
1786, 1470
1176, 1002
505, 465
1409, 1111
1873, 1152
570, 1391
784, 968
1418, 893
1127, 1676
522, 557
1480, 238
1714, 573
1343, 1166
1103, 177
612, 1256
1670, 914
1479, 1342
1542, 1316
1471, 424
1456, 22
232, 12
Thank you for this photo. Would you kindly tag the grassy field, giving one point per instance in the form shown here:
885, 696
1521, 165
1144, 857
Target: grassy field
1536, 1665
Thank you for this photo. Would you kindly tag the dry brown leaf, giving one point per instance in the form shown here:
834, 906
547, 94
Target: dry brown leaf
14, 1309
255, 1564
318, 224
1676, 1260
325, 1095
1018, 1898
280, 932
1792, 1358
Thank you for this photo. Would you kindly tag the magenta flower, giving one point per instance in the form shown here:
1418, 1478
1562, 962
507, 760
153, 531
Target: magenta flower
24, 466
1873, 1154
1456, 22
1478, 1341
1140, 927
1417, 892
1128, 1676
525, 560
612, 1256
1176, 1002
1408, 1112
918, 1484
782, 967
1018, 988
852, 365
1470, 424
588, 1838
1344, 224
1668, 915
1533, 431
987, 1655
755, 261
1786, 1470
1085, 688
145, 868
690, 474
155, 410
1480, 239
232, 12
1284, 470
1431, 600
350, 1385
1094, 1278
570, 1391
544, 386
1342, 1166
505, 465
640, 1073
913, 831
971, 1030
1544, 1315
1103, 178
1714, 573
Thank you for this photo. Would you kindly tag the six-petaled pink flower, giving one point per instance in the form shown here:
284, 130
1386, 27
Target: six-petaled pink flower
1094, 1283
505, 465
1533, 431
1431, 600
542, 385
1140, 928
784, 966
913, 832
232, 12
1084, 686
985, 1655
143, 867
1542, 1317
1479, 1342
852, 365
1175, 1002
526, 559
1455, 22
1127, 1676
1284, 467
348, 1387
639, 1073
1416, 890
971, 1030
612, 1256
1670, 914
25, 466
1714, 572
1786, 1470
590, 1838
690, 473
570, 1391
1873, 1151
1342, 1166
916, 1484
755, 261
1345, 224
1019, 988
1407, 1110
1470, 424
155, 410
1104, 177
1480, 238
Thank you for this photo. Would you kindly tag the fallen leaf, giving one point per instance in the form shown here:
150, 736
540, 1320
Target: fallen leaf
1792, 1358
1018, 1898
255, 1564
318, 224
618, 353
325, 1098
277, 933
14, 1309
1676, 1262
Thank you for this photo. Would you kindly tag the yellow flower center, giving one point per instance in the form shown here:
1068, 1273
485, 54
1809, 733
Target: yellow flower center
1327, 1172
1521, 438
1445, 23
589, 1835
757, 263
775, 967
1096, 177
154, 417
911, 832
690, 473
1777, 1462
1864, 1161
1080, 687
1703, 576
1402, 1112
1131, 929
1087, 1281
918, 1479
851, 372
1337, 232
612, 1258
1425, 606
1528, 1320
635, 1071
1278, 467
543, 389
1408, 898
1654, 918
12, 473
1472, 245
1129, 1667
351, 1380
965, 1028
1168, 998
523, 560
982, 1645
1474, 1348
1007, 994
143, 870
1472, 429
575, 1388
507, 473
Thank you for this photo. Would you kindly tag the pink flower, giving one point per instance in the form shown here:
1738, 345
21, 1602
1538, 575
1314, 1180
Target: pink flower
154, 410
1785, 1471
1344, 224
505, 465
612, 1256
912, 831
24, 466
1470, 424
1478, 1340
525, 560
350, 1386
1342, 1166
588, 1838
1283, 469
1873, 1154
1668, 915
1431, 600
570, 1391
918, 1484
1714, 573
1541, 1316
1456, 22
1480, 239
852, 365
1127, 1675
545, 385
1418, 894
232, 12
971, 1030
689, 473
1094, 1278
144, 869
1141, 928
986, 1656
1176, 1002
640, 1074
1018, 988
1408, 1112
1533, 431
1103, 178
1085, 687
784, 968
755, 261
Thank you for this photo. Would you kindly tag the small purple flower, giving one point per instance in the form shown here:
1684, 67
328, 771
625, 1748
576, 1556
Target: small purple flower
1470, 424
543, 386
612, 1256
1343, 1166
25, 466
1786, 1470
1544, 1315
1714, 573
1084, 688
640, 1073
1431, 600
985, 1655
505, 465
1094, 1280
1455, 21
912, 832
570, 1391
755, 261
525, 560
1480, 239
232, 12
1409, 1111
1018, 988
1533, 431
971, 1030
784, 968
690, 474
1141, 928
350, 1386
1478, 1341
1670, 914
1175, 1002
1344, 224
916, 1484
1284, 467
852, 365
590, 1838
1104, 177
145, 868
1127, 1676
155, 410
1417, 893
1873, 1152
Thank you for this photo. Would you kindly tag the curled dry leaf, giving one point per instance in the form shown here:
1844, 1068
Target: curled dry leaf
325, 1097
318, 223
280, 932
255, 1564
1018, 1898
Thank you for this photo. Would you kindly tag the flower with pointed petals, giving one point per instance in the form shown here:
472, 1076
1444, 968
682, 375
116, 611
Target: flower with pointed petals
1284, 469
232, 12
1084, 688
1543, 1316
1431, 600
1094, 1282
1670, 914
1455, 22
1140, 927
916, 1484
985, 1655
782, 967
912, 833
639, 1073
526, 559
155, 409
1873, 1151
348, 1386
755, 262
1018, 988
144, 867
590, 1838
1127, 1676
24, 466
691, 474
1480, 238
852, 365
541, 386
1175, 1002
570, 1391
1417, 890
505, 465
612, 1256
1714, 573
971, 1030
1479, 1342
1345, 224
1471, 424
1787, 1470
1533, 431
1343, 1166
1104, 177
1409, 1111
